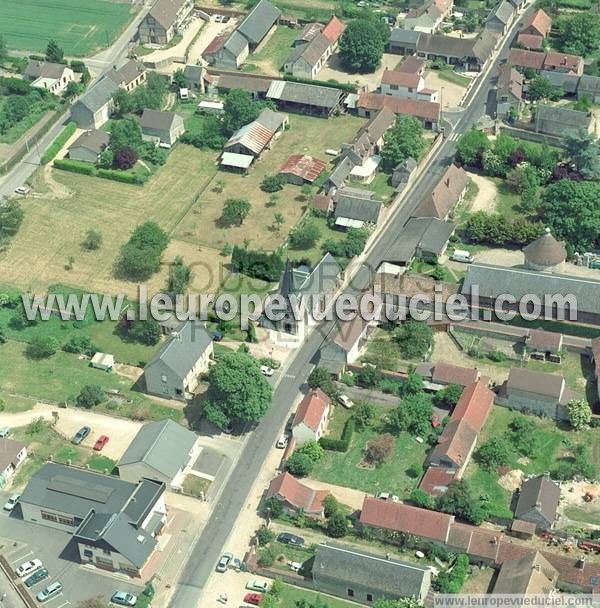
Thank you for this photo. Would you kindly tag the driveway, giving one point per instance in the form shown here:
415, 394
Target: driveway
347, 496
209, 31
180, 49
334, 70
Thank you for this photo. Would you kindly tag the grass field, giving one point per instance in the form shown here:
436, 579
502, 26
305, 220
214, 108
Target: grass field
271, 57
291, 595
79, 26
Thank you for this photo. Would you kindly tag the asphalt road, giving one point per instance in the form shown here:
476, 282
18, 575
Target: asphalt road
211, 542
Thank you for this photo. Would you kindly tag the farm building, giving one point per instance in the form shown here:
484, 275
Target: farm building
552, 120
163, 127
355, 207
447, 193
501, 17
302, 169
259, 23
305, 98
427, 112
538, 501
227, 51
89, 145
164, 20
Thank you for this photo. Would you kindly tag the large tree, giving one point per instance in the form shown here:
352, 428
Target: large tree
125, 133
235, 211
404, 139
362, 45
238, 109
540, 87
414, 338
460, 500
54, 53
237, 390
412, 416
583, 150
471, 146
579, 33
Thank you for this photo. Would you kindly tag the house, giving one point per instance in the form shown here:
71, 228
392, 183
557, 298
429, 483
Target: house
94, 107
536, 392
89, 145
255, 85
315, 286
407, 85
302, 169
454, 447
538, 501
227, 51
470, 53
12, 455
403, 41
163, 21
333, 31
194, 77
173, 372
366, 578
509, 94
446, 194
501, 17
439, 375
412, 65
474, 405
129, 76
532, 42
423, 238
307, 60
436, 480
114, 523
553, 120
308, 32
355, 207
311, 417
53, 77
532, 574
543, 342
589, 86
537, 23
161, 450
295, 496
523, 59
427, 17
305, 98
369, 139
162, 127
428, 112
551, 62
340, 175
402, 173
259, 23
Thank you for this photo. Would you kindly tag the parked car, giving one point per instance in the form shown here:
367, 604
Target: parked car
224, 562
81, 434
345, 401
122, 598
257, 585
100, 442
37, 577
24, 190
435, 421
387, 496
27, 568
12, 501
253, 598
225, 19
217, 336
218, 18
4, 431
290, 539
49, 592
282, 442
236, 564
460, 255
265, 370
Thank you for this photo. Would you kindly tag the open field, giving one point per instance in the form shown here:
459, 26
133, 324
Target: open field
79, 26
291, 595
54, 227
307, 135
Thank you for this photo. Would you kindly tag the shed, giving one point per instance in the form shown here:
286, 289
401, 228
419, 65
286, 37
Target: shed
233, 160
103, 361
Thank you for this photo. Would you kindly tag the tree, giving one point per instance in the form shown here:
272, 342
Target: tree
72, 89
471, 146
422, 499
11, 216
235, 211
459, 500
414, 338
125, 158
179, 79
412, 416
361, 46
237, 388
580, 413
79, 344
263, 535
41, 347
583, 150
321, 378
90, 396
272, 183
141, 255
405, 139
368, 376
579, 33
540, 87
92, 240
54, 53
337, 525
180, 276
312, 449
494, 453
330, 505
448, 396
238, 109
145, 331
3, 49
125, 133
379, 449
523, 435
305, 235
364, 415
412, 385
275, 507
299, 464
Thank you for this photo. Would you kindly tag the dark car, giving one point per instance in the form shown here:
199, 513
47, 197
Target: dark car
217, 336
290, 539
36, 577
81, 434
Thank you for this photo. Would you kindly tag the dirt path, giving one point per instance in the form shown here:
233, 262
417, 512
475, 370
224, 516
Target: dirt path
485, 200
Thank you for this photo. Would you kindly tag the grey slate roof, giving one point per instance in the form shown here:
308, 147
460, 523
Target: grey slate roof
128, 72
495, 280
562, 118
99, 94
236, 43
357, 205
426, 233
402, 36
341, 172
258, 22
311, 51
308, 94
567, 82
589, 84
44, 69
387, 577
321, 280
165, 11
180, 353
193, 72
154, 119
162, 445
540, 492
503, 12
93, 140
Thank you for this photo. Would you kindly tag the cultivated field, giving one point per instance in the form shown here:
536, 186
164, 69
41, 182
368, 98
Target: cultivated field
79, 26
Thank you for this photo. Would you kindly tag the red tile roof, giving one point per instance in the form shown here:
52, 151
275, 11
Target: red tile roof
322, 202
530, 41
571, 63
400, 79
215, 44
477, 542
456, 443
526, 59
333, 30
405, 518
445, 373
411, 65
425, 110
436, 480
312, 409
304, 166
474, 405
288, 488
445, 195
538, 23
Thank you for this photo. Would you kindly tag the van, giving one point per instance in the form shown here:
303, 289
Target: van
49, 592
460, 255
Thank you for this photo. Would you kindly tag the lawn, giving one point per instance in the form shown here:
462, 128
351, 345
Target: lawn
306, 134
381, 186
290, 595
272, 55
508, 203
384, 352
56, 222
79, 26
453, 77
315, 253
196, 486
345, 469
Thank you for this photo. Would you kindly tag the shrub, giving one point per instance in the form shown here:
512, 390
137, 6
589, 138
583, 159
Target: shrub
300, 464
312, 449
452, 582
257, 264
235, 211
337, 526
330, 505
58, 143
379, 449
364, 414
267, 557
125, 178
41, 347
145, 331
264, 536
304, 236
141, 255
90, 395
92, 240
368, 376
420, 498
125, 158
75, 166
272, 183
79, 344
343, 443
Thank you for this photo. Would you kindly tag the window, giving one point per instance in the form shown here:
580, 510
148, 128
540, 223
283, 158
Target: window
49, 516
163, 378
350, 592
88, 553
66, 521
369, 597
106, 551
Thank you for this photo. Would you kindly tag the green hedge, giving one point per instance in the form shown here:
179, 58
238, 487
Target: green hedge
344, 86
343, 443
58, 143
78, 166
126, 178
75, 166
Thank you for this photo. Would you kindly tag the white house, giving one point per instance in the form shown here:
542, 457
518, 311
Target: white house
53, 77
12, 454
310, 421
406, 85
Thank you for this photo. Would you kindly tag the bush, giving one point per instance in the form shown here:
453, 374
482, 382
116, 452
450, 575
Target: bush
264, 536
452, 582
75, 166
90, 395
312, 449
257, 264
125, 178
267, 557
368, 376
272, 183
304, 236
344, 86
420, 498
58, 143
300, 464
79, 344
330, 505
146, 332
92, 240
125, 158
364, 415
141, 255
41, 347
379, 449
343, 443
337, 526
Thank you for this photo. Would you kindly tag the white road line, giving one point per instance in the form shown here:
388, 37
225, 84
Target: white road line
22, 558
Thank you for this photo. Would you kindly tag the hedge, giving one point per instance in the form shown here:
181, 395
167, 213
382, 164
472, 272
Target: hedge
126, 178
58, 143
75, 166
78, 166
343, 443
344, 86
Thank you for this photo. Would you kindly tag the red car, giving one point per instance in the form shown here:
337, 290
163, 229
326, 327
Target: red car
435, 421
101, 442
253, 598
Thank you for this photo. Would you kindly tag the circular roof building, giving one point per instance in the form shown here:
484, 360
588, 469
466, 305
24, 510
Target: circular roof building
545, 253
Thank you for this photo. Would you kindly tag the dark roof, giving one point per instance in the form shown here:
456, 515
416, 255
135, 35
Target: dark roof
322, 279
386, 577
303, 93
193, 72
445, 45
426, 233
93, 140
341, 172
539, 493
254, 84
446, 193
540, 383
182, 351
455, 443
165, 11
154, 119
99, 94
162, 445
235, 43
589, 84
402, 36
503, 12
259, 21
352, 205
311, 51
562, 118
9, 450
127, 73
44, 69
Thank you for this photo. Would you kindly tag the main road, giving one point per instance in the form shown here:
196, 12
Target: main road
213, 538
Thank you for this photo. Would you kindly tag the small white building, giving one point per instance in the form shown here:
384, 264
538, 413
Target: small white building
310, 421
12, 455
103, 361
53, 77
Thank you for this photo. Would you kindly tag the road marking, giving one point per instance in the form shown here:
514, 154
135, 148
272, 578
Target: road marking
22, 558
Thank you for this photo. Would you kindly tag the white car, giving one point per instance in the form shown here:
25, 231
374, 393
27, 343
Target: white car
387, 496
265, 370
11, 503
345, 401
28, 567
256, 585
218, 18
282, 442
23, 190
4, 431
